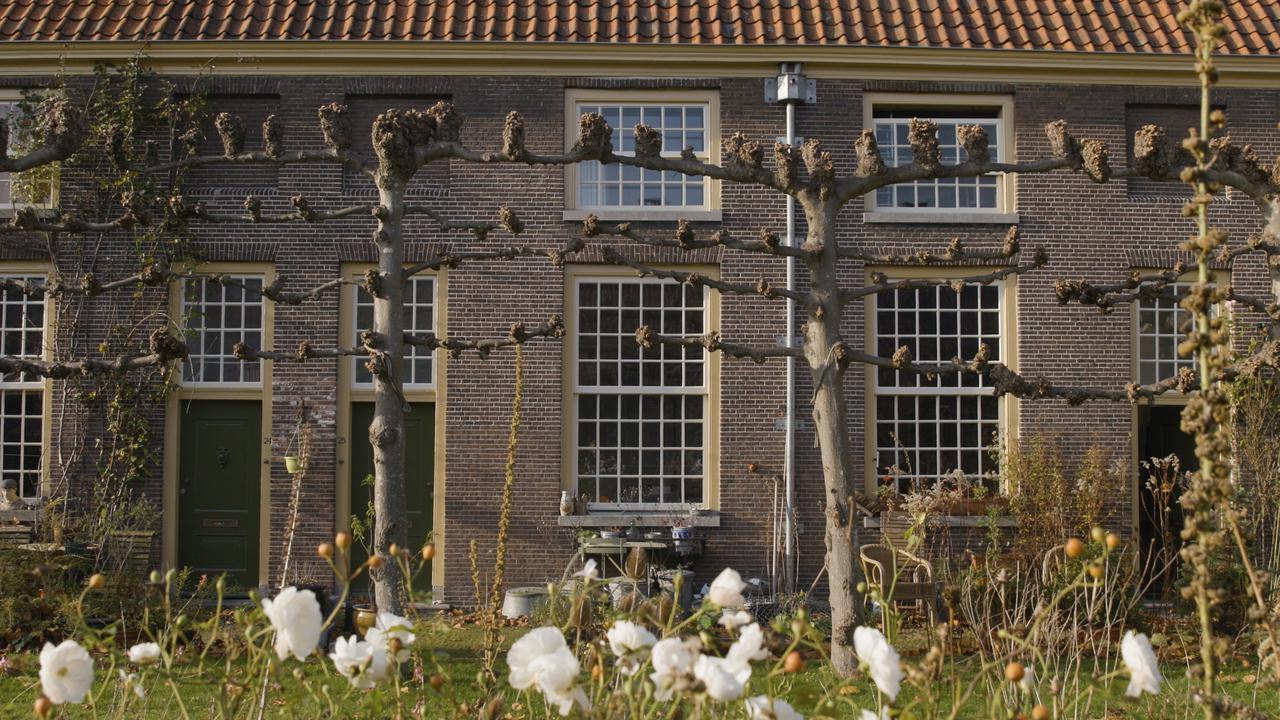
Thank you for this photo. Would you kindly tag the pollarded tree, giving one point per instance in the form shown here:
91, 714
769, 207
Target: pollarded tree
404, 142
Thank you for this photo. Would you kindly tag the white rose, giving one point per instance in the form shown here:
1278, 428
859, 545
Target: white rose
1028, 681
389, 626
726, 589
884, 714
541, 658
733, 619
361, 662
66, 672
1144, 672
144, 653
130, 682
749, 647
295, 616
630, 642
589, 571
723, 680
673, 660
761, 707
881, 660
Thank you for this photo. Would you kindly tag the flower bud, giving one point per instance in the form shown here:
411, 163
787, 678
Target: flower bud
43, 706
1113, 541
156, 578
1039, 712
376, 561
1096, 572
394, 550
428, 551
1014, 671
436, 681
1098, 534
325, 550
793, 662
97, 581
343, 541
1074, 548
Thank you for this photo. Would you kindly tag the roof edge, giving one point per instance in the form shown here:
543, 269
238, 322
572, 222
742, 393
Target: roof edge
390, 57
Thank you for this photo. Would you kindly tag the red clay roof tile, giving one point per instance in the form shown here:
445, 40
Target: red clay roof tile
1129, 26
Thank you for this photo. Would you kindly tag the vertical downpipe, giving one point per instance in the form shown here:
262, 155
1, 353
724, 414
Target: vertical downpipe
789, 443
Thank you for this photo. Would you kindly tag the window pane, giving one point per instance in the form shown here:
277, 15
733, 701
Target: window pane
641, 411
615, 185
891, 128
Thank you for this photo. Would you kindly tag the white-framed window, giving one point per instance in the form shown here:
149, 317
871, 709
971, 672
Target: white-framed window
419, 319
1161, 327
640, 416
685, 119
35, 187
890, 115
22, 328
928, 428
217, 317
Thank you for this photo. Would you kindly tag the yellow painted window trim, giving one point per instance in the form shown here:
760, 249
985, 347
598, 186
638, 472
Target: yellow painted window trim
711, 433
204, 391
1003, 104
348, 393
48, 345
573, 97
1008, 405
8, 95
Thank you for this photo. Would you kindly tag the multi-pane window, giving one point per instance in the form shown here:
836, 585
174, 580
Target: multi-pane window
34, 187
22, 322
219, 315
928, 428
419, 319
640, 414
619, 186
972, 193
1161, 324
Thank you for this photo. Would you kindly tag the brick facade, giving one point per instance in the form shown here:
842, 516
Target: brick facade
1098, 232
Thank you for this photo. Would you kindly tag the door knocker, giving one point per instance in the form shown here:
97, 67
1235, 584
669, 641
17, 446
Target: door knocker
224, 456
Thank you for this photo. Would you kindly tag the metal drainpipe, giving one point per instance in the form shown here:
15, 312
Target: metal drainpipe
790, 88
789, 444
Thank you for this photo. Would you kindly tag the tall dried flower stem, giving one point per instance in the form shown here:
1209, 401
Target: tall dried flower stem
494, 604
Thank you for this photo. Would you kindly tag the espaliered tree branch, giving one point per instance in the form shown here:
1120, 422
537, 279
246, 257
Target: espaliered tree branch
163, 348
762, 288
686, 238
452, 260
880, 283
956, 253
647, 337
519, 334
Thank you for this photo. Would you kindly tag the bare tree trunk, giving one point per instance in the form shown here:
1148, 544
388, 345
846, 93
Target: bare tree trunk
386, 434
823, 341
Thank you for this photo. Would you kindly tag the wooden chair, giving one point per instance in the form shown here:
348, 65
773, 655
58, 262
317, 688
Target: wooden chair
902, 578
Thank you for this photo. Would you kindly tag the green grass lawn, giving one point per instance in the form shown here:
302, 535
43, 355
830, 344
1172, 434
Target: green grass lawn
455, 653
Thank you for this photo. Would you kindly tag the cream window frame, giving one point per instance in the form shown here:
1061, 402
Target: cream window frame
184, 392
182, 318
1007, 405
44, 385
711, 392
349, 392
1219, 278
710, 99
1006, 193
350, 337
8, 96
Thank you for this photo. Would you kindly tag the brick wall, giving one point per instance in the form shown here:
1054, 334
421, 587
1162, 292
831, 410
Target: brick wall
1098, 232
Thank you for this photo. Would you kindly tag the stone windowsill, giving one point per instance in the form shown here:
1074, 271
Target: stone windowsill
641, 215
939, 217
656, 518
973, 521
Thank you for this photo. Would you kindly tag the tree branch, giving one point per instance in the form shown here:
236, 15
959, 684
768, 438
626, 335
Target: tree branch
159, 274
955, 253
686, 239
882, 284
451, 260
162, 348
762, 287
646, 337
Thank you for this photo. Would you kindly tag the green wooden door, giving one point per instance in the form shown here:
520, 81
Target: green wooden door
419, 472
218, 489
